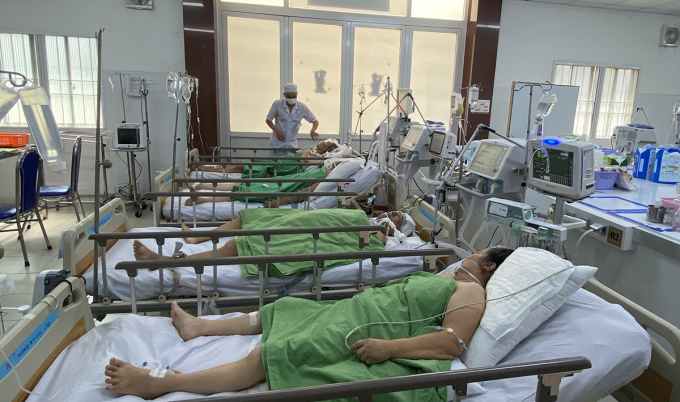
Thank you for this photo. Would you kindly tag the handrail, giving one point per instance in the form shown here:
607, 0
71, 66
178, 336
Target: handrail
263, 260
274, 158
255, 149
365, 389
301, 194
283, 179
256, 163
217, 234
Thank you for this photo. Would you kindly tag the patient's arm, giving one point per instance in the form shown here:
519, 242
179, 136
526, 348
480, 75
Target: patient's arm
440, 345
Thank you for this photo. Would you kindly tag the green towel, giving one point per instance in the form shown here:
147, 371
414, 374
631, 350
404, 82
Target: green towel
261, 171
274, 187
303, 340
266, 218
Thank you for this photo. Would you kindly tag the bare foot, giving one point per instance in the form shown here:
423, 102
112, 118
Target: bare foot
126, 379
142, 252
189, 240
187, 325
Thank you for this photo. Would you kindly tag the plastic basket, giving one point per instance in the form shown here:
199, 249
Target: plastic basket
605, 180
13, 140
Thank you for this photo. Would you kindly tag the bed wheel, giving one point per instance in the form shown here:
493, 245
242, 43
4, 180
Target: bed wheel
28, 227
56, 207
138, 214
144, 206
151, 208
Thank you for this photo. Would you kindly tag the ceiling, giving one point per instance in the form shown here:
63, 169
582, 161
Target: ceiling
667, 7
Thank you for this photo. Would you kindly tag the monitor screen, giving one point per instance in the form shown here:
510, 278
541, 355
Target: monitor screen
413, 137
128, 136
437, 143
487, 159
560, 169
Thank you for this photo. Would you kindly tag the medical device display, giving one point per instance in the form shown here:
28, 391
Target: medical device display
530, 230
561, 168
442, 144
634, 136
499, 161
415, 143
128, 136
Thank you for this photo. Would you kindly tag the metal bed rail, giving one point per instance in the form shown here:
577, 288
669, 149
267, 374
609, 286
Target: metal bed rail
102, 240
274, 158
318, 260
278, 195
215, 150
549, 372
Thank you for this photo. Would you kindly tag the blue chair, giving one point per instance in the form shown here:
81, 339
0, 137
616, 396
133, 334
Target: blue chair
28, 176
66, 194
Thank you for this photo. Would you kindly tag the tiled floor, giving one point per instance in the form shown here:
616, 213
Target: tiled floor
40, 258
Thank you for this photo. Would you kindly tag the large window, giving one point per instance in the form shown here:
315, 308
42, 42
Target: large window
376, 57
606, 96
254, 62
65, 66
317, 71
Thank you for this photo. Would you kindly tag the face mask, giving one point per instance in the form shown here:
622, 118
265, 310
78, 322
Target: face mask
291, 101
460, 267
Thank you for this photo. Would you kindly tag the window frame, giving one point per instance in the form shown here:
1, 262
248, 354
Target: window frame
39, 49
602, 141
287, 14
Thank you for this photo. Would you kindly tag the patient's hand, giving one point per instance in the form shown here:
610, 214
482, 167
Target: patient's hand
371, 351
275, 203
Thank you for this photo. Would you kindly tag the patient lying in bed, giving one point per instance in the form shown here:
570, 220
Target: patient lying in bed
323, 149
264, 218
304, 342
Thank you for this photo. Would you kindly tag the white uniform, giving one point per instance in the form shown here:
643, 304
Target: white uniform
288, 121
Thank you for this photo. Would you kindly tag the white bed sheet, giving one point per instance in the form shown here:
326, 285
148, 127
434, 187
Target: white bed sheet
213, 175
364, 179
229, 277
586, 325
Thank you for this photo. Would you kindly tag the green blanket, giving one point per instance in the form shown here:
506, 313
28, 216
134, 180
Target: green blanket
303, 340
274, 187
266, 218
261, 171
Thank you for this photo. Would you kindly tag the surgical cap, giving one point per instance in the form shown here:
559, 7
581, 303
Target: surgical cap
289, 88
408, 225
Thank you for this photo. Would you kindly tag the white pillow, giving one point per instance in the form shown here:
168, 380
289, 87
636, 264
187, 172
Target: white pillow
343, 171
506, 322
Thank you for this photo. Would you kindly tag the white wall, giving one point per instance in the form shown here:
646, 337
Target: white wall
133, 40
535, 35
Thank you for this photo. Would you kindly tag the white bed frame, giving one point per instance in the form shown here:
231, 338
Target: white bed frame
50, 336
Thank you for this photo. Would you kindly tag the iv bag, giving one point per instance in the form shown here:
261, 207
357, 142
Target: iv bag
43, 127
8, 98
173, 86
545, 105
187, 88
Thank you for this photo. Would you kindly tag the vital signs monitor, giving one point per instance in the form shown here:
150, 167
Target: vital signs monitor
499, 160
562, 168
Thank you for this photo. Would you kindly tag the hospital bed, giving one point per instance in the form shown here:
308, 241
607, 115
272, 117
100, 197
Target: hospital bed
45, 343
224, 283
617, 349
359, 183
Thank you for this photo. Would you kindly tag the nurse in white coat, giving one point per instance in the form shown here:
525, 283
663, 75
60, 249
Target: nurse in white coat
285, 117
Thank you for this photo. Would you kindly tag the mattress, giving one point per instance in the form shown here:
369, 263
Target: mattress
586, 325
229, 277
364, 179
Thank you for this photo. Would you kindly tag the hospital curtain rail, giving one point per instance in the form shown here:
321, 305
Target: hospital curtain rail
549, 372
